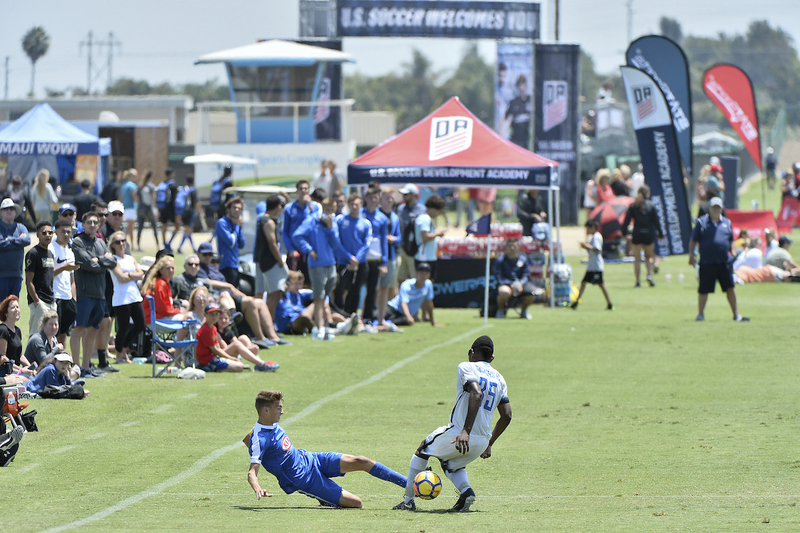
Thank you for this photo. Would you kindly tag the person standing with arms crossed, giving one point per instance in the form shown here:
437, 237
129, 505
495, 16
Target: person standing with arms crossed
13, 240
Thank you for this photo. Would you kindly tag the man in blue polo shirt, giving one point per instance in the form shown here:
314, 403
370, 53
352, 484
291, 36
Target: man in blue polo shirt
714, 234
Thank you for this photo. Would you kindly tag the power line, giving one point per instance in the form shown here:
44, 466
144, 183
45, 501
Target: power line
91, 73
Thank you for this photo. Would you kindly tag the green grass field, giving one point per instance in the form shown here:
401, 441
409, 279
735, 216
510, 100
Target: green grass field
639, 419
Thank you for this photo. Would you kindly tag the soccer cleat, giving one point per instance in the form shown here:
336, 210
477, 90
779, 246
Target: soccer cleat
466, 499
268, 366
405, 506
392, 328
12, 438
740, 318
282, 342
353, 327
610, 307
651, 281
524, 314
637, 286
574, 306
501, 313
108, 369
700, 318
89, 373
323, 503
236, 318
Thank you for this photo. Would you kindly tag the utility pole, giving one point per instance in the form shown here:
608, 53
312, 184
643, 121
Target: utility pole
630, 21
89, 44
6, 91
111, 43
557, 8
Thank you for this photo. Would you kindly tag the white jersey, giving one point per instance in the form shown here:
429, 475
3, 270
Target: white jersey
493, 391
62, 286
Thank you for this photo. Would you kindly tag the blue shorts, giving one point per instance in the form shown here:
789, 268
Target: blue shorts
325, 466
90, 312
217, 364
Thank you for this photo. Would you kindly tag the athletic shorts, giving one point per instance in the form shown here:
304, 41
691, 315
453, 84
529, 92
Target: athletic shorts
129, 215
438, 444
710, 274
67, 312
390, 278
273, 279
165, 216
643, 239
324, 466
323, 278
90, 312
595, 278
217, 364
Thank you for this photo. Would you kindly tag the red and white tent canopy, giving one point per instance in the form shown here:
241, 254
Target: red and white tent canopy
451, 146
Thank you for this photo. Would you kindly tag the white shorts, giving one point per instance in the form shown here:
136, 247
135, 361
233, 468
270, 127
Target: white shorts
438, 444
129, 214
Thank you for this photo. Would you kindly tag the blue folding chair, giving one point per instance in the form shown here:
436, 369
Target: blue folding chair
163, 337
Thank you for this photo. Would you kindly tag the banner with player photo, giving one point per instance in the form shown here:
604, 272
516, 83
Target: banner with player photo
731, 90
661, 162
327, 119
513, 93
666, 63
557, 118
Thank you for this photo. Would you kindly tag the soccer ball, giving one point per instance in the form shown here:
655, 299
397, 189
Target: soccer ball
427, 485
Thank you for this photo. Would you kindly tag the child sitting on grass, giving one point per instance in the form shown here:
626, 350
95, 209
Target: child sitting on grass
595, 266
216, 355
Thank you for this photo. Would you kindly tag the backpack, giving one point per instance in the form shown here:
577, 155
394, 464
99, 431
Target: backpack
409, 241
183, 200
163, 194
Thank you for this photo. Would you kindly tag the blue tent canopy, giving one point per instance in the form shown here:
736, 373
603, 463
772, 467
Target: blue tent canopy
42, 131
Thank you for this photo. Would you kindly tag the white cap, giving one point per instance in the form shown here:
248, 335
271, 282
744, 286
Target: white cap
410, 188
8, 202
716, 201
63, 357
115, 206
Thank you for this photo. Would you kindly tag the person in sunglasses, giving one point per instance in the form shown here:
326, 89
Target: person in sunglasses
39, 274
13, 240
126, 300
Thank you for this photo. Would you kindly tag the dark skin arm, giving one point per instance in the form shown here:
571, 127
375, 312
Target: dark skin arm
462, 440
499, 427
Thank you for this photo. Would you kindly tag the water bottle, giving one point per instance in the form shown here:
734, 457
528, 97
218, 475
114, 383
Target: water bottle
681, 277
668, 277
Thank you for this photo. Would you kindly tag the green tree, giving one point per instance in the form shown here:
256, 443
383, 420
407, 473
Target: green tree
671, 29
35, 44
473, 83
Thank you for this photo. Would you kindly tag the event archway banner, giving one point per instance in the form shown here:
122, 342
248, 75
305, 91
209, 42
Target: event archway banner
731, 90
658, 147
666, 63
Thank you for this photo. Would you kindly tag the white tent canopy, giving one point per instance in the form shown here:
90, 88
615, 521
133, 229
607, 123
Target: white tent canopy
219, 159
276, 52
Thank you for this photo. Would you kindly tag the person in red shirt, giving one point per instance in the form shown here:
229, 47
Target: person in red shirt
604, 190
156, 284
212, 352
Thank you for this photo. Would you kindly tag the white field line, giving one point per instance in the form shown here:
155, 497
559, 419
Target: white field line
216, 454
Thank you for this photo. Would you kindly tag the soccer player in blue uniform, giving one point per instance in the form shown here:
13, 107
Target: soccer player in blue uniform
298, 470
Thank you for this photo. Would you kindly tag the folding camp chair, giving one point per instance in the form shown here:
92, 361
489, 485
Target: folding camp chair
163, 337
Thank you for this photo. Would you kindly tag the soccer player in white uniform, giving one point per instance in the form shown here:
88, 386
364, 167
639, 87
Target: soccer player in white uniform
479, 390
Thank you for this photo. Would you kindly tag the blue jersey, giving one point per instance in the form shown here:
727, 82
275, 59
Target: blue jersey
270, 446
290, 307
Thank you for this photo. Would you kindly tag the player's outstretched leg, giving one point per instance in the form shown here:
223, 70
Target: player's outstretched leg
352, 463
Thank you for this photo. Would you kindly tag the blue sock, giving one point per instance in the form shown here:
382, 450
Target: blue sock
191, 242
387, 474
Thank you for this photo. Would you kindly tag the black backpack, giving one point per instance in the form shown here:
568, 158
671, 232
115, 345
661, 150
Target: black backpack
409, 241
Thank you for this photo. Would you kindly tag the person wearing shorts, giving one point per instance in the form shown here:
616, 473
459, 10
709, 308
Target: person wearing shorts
318, 239
298, 470
272, 270
595, 266
513, 286
713, 233
64, 278
646, 227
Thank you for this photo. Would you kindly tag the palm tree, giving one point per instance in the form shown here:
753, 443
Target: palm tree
35, 44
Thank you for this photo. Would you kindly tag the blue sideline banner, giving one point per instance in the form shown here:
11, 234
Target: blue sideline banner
557, 118
435, 18
658, 147
664, 61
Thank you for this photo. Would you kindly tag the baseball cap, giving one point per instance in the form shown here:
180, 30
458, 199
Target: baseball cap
716, 201
205, 248
63, 356
784, 240
8, 202
410, 188
213, 307
423, 267
115, 206
66, 207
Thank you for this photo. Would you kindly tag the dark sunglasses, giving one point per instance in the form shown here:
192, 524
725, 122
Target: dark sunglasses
207, 253
9, 208
123, 241
102, 214
47, 232
193, 264
117, 214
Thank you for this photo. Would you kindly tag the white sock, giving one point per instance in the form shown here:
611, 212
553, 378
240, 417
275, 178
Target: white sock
459, 479
418, 464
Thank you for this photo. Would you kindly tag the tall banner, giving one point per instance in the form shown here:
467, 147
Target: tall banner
658, 147
437, 18
513, 93
732, 92
557, 118
327, 119
664, 61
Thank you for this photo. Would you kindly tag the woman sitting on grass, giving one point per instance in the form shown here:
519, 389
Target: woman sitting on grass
44, 343
11, 338
215, 355
55, 370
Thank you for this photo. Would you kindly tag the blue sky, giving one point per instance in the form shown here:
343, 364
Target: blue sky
160, 40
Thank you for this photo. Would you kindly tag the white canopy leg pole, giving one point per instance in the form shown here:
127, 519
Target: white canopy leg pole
486, 288
550, 194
